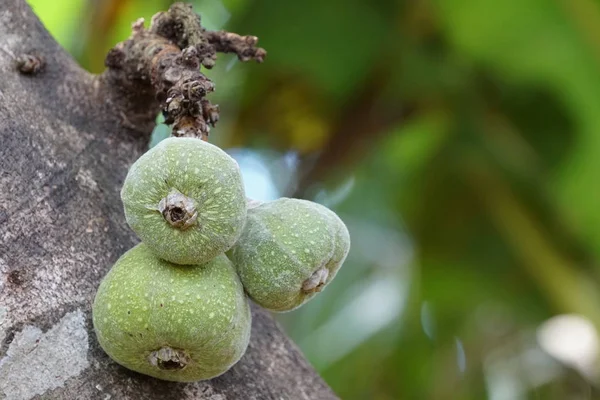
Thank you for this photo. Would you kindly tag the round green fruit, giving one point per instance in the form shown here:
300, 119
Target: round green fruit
289, 251
172, 322
185, 199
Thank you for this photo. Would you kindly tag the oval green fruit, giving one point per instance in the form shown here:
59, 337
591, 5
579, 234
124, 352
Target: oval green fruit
172, 322
289, 251
185, 199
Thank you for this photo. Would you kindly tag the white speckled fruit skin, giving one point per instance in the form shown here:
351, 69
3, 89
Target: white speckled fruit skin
283, 243
200, 171
145, 303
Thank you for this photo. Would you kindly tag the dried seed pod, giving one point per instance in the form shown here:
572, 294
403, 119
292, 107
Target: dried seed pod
289, 250
185, 199
172, 322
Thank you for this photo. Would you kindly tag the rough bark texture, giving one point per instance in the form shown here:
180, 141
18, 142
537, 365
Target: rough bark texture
65, 146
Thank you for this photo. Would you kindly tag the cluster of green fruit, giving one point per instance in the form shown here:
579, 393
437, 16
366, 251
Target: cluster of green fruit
175, 306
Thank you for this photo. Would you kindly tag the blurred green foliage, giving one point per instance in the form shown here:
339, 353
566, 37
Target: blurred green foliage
459, 139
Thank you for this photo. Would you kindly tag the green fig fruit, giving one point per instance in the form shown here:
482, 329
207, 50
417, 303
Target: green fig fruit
172, 322
289, 251
185, 199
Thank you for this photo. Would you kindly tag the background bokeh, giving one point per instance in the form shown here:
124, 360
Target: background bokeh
459, 140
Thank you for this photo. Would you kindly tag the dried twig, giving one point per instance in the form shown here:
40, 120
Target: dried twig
162, 64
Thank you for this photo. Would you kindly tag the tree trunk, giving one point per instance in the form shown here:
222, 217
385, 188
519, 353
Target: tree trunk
65, 146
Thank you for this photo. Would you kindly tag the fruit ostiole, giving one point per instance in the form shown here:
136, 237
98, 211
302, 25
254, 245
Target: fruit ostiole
178, 210
317, 281
167, 358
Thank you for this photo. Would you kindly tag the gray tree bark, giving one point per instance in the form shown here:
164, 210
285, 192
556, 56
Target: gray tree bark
65, 147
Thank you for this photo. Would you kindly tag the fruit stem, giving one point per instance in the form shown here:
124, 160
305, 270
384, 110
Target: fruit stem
178, 210
316, 281
167, 358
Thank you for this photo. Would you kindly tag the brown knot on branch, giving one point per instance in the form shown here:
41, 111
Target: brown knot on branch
160, 67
